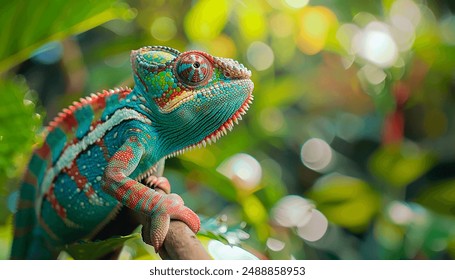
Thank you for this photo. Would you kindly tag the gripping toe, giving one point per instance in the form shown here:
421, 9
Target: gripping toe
155, 230
171, 207
189, 218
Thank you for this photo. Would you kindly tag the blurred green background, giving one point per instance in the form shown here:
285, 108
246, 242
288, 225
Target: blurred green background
346, 153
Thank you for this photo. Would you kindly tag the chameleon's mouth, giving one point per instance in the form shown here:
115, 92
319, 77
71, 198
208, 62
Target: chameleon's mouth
228, 125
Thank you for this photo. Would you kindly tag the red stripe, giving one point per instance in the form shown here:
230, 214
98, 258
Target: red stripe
69, 122
44, 151
30, 178
99, 102
155, 199
61, 212
75, 175
121, 191
136, 197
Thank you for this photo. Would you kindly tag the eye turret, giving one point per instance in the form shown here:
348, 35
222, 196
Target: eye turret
193, 69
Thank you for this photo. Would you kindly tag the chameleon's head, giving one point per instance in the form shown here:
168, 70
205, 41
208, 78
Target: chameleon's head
194, 97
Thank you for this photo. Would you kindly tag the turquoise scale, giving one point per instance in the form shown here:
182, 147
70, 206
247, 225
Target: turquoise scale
56, 140
84, 117
37, 167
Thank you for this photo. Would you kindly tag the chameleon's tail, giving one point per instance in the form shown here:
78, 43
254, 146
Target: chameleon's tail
28, 242
24, 220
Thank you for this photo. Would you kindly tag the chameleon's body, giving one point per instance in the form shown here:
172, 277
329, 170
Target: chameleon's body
98, 150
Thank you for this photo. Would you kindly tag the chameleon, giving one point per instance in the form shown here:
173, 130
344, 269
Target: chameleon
103, 153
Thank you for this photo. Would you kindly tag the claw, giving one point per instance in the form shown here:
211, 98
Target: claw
158, 182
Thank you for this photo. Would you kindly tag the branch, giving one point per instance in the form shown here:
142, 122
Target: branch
181, 244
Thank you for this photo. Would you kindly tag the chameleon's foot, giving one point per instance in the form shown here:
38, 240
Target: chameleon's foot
158, 183
170, 207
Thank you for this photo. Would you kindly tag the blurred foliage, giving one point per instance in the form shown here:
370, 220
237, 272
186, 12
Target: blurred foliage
213, 229
41, 22
353, 116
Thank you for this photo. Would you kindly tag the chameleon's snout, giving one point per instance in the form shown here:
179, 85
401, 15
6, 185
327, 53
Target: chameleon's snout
231, 68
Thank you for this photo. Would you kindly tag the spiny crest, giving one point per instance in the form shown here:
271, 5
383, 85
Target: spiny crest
96, 100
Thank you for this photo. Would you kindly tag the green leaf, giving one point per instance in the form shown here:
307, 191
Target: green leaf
18, 130
400, 165
217, 229
26, 25
97, 249
346, 201
439, 197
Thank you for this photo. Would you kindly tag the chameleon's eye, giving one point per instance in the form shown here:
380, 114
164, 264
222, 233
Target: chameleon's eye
193, 69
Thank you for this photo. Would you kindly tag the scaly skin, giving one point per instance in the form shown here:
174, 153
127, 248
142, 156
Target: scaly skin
99, 150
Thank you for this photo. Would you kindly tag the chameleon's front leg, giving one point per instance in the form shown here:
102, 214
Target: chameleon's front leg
131, 193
